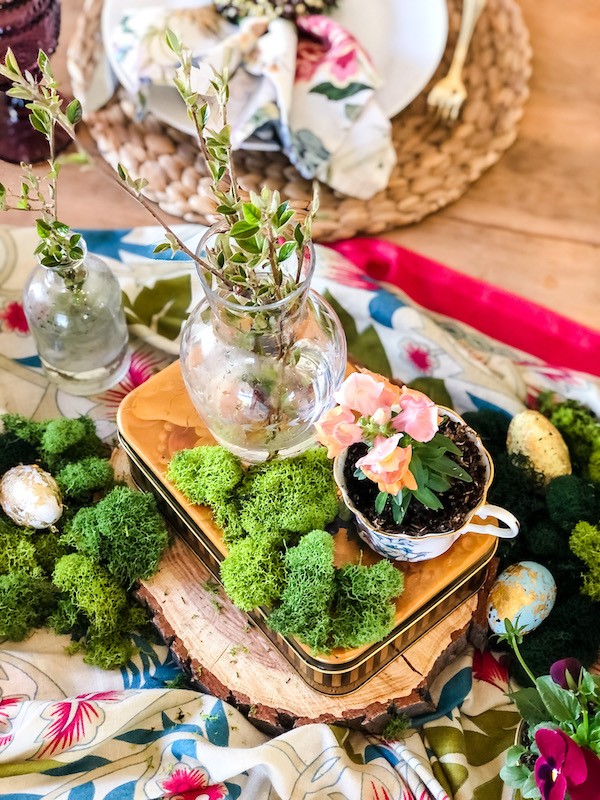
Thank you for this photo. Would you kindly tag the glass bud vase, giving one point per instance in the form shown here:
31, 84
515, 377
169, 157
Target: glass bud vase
260, 376
76, 318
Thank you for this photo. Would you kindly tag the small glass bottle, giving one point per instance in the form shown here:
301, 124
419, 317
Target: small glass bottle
76, 318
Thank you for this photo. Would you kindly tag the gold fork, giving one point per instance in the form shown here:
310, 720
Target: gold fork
449, 93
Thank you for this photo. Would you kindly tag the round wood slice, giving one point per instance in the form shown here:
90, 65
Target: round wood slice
229, 657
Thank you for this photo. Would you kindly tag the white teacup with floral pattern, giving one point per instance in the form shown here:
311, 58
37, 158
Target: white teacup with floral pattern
399, 546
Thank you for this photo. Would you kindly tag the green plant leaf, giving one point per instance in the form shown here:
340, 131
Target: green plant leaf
285, 251
380, 501
332, 92
243, 230
251, 213
74, 112
530, 705
427, 498
561, 704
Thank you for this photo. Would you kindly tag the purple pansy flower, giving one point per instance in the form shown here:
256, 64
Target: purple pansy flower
560, 766
558, 671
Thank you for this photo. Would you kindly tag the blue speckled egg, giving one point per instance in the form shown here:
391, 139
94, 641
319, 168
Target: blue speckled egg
525, 593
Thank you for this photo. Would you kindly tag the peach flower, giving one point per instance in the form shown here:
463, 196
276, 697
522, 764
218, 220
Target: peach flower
366, 393
387, 465
337, 430
391, 392
418, 416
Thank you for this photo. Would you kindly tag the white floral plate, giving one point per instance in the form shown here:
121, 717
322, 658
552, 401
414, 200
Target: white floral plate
405, 38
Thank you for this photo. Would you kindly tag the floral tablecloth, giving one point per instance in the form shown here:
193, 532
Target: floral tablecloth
72, 732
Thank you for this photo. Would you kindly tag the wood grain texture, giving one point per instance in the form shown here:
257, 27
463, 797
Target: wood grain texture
529, 225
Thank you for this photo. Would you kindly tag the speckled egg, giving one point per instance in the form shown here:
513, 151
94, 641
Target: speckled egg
526, 592
532, 435
30, 496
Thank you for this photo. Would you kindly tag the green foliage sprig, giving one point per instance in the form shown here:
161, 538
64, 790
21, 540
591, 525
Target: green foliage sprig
567, 700
261, 232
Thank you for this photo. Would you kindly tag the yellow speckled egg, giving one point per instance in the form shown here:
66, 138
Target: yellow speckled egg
525, 593
30, 496
531, 435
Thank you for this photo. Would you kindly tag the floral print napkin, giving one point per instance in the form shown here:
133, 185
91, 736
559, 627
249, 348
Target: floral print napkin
308, 89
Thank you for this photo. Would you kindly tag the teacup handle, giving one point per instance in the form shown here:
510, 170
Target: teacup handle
488, 510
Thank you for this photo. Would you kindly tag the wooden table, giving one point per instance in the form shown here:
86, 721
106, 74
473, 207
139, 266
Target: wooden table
529, 225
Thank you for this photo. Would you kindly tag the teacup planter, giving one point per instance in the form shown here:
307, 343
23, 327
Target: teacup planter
414, 474
425, 534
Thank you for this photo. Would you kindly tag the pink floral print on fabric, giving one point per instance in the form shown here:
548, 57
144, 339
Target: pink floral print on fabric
12, 319
74, 720
191, 784
326, 43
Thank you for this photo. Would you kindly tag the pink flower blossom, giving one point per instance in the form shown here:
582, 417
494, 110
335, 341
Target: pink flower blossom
365, 393
418, 416
337, 430
387, 465
184, 784
326, 43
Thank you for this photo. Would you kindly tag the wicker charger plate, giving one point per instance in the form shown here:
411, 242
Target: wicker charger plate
435, 165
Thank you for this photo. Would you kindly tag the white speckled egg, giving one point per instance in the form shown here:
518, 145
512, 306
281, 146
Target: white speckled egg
30, 496
525, 593
532, 435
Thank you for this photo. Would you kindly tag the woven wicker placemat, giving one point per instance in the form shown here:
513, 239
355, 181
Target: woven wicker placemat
436, 163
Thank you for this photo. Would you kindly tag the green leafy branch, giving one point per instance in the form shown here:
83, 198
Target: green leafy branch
260, 232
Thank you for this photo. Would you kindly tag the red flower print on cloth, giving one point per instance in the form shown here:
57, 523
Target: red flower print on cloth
75, 721
9, 708
144, 363
326, 43
191, 784
12, 319
488, 668
420, 357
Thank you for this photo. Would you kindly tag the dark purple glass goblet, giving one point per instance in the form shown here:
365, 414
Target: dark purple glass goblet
26, 26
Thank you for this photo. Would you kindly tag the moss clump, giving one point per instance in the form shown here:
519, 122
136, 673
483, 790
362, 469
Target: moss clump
585, 544
206, 475
579, 426
252, 573
570, 499
296, 495
15, 451
594, 466
25, 602
546, 540
396, 728
67, 440
78, 481
124, 532
364, 609
24, 428
93, 591
227, 518
48, 550
328, 608
17, 553
95, 608
308, 594
492, 427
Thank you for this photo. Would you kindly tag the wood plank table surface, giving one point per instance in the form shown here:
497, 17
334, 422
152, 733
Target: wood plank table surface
529, 225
